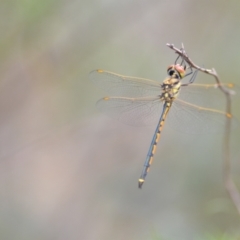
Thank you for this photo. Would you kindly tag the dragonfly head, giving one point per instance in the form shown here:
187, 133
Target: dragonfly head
176, 71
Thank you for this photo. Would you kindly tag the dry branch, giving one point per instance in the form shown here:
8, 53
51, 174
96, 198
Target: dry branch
229, 183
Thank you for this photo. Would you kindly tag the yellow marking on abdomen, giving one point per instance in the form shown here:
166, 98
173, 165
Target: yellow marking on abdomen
100, 71
154, 148
158, 137
150, 162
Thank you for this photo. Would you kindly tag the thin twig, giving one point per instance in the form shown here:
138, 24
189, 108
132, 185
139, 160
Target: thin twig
229, 183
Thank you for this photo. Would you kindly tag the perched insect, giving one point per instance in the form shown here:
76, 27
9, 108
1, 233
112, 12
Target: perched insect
139, 101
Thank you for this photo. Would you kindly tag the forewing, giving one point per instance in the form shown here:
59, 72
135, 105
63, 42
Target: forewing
124, 86
206, 95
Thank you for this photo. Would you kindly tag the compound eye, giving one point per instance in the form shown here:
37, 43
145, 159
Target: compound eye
180, 69
171, 72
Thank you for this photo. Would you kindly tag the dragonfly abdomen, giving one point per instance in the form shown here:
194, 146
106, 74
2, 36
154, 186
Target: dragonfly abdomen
153, 146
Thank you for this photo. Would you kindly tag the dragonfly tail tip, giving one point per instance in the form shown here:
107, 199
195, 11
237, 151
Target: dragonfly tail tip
140, 182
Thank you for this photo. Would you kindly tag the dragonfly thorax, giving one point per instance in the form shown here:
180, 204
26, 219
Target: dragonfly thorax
170, 89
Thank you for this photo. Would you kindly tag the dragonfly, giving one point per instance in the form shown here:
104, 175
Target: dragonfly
139, 101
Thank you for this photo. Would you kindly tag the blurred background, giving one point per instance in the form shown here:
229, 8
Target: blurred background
69, 172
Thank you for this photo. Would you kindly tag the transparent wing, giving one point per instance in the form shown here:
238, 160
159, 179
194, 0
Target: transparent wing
189, 118
206, 95
192, 112
132, 111
125, 86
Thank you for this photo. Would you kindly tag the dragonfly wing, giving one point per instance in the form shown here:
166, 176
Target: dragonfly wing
124, 86
132, 111
206, 95
189, 118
